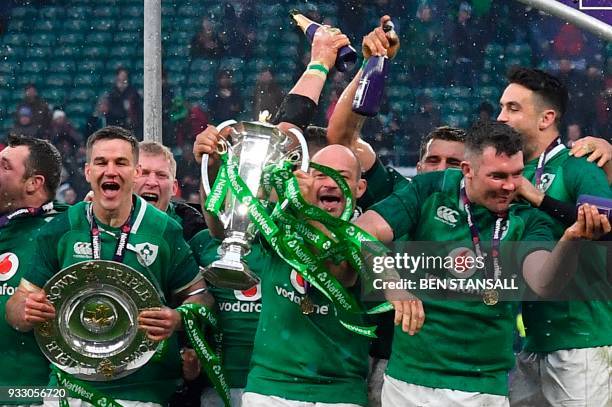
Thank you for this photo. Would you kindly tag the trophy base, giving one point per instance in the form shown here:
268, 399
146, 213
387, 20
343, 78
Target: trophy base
230, 274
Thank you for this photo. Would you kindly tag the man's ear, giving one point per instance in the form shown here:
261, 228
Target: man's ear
418, 167
34, 183
547, 119
362, 184
175, 188
87, 172
467, 169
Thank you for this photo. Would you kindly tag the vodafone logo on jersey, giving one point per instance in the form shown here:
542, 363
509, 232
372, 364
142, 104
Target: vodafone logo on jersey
9, 263
298, 282
252, 294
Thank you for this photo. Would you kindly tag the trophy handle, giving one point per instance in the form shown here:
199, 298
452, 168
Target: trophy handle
298, 135
305, 157
204, 169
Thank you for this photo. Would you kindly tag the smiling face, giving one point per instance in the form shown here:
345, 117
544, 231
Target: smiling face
110, 172
328, 195
521, 111
440, 155
12, 177
492, 180
155, 183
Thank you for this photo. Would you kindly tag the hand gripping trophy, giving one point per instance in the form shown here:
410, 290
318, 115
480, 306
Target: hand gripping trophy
253, 147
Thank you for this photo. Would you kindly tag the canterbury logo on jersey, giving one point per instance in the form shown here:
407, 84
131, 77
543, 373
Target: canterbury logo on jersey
82, 250
447, 215
146, 253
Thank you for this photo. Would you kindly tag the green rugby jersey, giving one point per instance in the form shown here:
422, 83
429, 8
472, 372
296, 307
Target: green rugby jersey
552, 326
463, 345
238, 311
20, 350
155, 248
309, 358
381, 182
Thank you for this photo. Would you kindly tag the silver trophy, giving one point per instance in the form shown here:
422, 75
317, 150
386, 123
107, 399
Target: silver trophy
95, 334
255, 145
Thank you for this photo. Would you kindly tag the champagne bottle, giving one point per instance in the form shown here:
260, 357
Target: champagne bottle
346, 55
369, 94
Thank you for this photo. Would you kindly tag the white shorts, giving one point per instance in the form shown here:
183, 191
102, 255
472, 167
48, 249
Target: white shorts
574, 377
210, 397
259, 400
80, 403
396, 393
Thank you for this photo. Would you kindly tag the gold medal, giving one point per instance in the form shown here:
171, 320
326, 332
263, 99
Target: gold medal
306, 305
490, 297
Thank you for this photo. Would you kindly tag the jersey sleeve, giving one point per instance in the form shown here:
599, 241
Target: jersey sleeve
202, 244
382, 181
44, 260
538, 234
379, 185
585, 178
184, 270
401, 209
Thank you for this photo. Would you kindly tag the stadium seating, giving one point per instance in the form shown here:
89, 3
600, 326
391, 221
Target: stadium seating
71, 49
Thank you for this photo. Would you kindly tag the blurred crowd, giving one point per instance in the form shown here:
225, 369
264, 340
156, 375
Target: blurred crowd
443, 45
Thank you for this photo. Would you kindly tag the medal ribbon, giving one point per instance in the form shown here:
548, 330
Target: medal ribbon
121, 242
542, 162
476, 236
25, 212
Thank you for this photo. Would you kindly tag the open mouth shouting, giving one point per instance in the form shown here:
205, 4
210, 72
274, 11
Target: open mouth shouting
151, 197
331, 200
110, 189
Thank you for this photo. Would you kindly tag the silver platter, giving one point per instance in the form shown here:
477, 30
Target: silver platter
95, 334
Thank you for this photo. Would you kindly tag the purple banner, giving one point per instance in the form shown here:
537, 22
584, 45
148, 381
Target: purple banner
600, 9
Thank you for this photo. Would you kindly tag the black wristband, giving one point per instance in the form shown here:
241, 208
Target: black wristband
562, 211
296, 109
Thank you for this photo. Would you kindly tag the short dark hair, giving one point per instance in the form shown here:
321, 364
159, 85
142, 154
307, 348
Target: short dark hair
121, 69
113, 133
445, 133
316, 137
44, 159
489, 133
548, 87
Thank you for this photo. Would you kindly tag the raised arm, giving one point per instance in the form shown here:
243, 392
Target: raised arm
344, 125
548, 273
300, 104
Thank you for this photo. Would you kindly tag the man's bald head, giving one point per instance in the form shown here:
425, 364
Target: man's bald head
340, 158
328, 194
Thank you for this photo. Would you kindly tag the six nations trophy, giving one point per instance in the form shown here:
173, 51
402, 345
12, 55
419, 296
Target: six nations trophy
254, 146
95, 334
